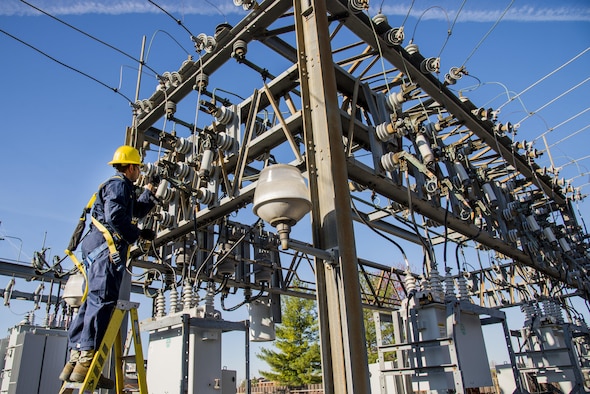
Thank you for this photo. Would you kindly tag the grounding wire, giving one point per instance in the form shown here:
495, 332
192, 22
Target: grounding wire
545, 77
69, 67
487, 34
90, 36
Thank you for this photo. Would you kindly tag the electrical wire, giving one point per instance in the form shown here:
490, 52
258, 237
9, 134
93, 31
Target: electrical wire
115, 90
423, 13
561, 124
178, 21
380, 233
450, 31
90, 36
553, 100
407, 14
425, 243
545, 77
170, 36
487, 34
217, 8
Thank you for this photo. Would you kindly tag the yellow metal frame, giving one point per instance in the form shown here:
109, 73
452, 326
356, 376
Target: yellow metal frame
113, 338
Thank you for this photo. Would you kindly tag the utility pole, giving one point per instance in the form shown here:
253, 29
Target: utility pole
344, 354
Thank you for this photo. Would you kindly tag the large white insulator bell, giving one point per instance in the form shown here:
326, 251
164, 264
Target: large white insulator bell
281, 198
74, 290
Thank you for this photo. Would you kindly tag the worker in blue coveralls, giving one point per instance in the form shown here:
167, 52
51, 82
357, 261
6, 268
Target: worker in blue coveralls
113, 214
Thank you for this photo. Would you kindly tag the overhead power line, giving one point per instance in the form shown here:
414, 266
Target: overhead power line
68, 66
553, 100
487, 34
561, 124
92, 37
545, 77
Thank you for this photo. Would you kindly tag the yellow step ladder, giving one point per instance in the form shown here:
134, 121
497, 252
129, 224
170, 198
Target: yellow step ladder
113, 337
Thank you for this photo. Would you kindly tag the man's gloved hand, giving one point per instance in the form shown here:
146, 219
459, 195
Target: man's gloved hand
147, 233
154, 180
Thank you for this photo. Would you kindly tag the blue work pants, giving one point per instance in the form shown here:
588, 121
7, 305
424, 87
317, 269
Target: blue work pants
104, 282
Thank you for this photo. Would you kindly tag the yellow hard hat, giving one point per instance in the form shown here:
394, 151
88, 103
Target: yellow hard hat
126, 154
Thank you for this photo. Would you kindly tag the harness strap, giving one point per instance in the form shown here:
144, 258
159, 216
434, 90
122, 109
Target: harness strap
110, 241
82, 270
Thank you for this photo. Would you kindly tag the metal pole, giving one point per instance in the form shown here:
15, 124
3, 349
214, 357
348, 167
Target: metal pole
342, 336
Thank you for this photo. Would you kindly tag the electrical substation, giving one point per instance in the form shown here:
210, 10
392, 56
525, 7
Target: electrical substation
351, 129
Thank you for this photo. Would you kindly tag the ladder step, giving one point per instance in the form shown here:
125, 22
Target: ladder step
113, 339
71, 387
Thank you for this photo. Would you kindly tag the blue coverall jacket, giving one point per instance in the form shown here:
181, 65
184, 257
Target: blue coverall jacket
115, 207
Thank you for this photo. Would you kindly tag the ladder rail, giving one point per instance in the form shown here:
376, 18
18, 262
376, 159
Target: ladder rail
113, 339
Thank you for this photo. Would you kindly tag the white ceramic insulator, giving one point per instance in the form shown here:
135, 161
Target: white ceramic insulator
489, 193
183, 146
225, 142
173, 299
160, 304
410, 282
205, 196
395, 36
565, 245
223, 115
532, 222
357, 6
150, 169
513, 235
206, 160
382, 133
395, 100
436, 286
201, 81
507, 213
549, 236
387, 162
424, 148
412, 49
166, 219
187, 295
182, 170
449, 287
463, 291
163, 193
461, 173
527, 310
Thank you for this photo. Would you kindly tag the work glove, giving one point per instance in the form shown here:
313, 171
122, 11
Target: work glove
147, 233
154, 180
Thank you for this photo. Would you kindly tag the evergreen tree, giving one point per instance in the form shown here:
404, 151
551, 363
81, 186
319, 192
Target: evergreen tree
297, 360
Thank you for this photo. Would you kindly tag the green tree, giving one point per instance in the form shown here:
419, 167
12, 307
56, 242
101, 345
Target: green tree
382, 286
297, 360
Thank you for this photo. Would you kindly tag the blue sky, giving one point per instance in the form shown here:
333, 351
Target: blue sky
59, 128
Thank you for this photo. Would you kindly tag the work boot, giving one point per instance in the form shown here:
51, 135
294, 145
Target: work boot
64, 376
81, 370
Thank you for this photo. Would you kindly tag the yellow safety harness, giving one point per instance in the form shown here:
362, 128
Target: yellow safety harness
78, 234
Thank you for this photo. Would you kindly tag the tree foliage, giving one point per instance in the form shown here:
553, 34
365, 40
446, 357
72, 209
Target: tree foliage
387, 288
297, 360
